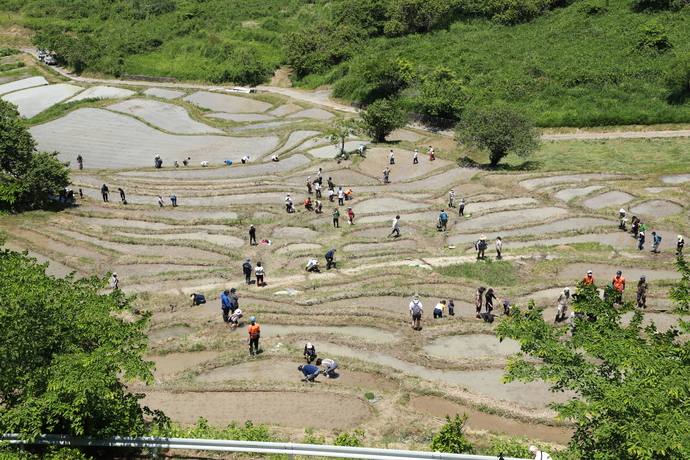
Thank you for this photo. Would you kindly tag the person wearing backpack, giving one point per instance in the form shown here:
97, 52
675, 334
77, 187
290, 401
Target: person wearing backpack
480, 245
416, 310
443, 219
657, 242
247, 269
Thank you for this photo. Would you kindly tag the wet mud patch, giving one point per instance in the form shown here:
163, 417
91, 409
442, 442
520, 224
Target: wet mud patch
396, 244
298, 247
278, 370
483, 206
440, 407
295, 232
226, 103
169, 333
170, 117
377, 158
608, 199
316, 114
532, 184
295, 138
605, 273
164, 93
554, 227
367, 333
220, 240
506, 218
388, 205
240, 117
177, 362
472, 346
55, 268
657, 208
283, 408
675, 178
569, 194
102, 92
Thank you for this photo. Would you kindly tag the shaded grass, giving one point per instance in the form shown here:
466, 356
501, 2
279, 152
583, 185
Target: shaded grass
496, 273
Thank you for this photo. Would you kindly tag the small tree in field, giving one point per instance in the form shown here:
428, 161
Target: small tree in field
499, 129
382, 118
342, 129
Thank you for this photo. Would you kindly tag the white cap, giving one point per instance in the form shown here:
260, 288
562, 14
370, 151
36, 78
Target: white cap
309, 345
566, 288
533, 449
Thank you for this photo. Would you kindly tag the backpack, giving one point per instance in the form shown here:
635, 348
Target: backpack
481, 244
416, 309
247, 266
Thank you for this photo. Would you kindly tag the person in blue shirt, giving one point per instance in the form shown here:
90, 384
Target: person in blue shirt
310, 372
225, 305
443, 217
329, 259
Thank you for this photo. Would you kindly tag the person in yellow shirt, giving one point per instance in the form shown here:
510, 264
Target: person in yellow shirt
254, 334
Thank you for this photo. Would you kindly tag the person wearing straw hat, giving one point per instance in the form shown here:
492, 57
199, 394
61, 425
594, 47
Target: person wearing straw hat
480, 246
562, 307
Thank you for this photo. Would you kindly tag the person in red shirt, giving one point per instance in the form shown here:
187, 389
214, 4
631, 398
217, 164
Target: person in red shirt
618, 286
254, 334
589, 279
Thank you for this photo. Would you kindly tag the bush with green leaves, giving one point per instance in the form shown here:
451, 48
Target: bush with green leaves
441, 94
678, 78
382, 118
451, 438
653, 36
349, 439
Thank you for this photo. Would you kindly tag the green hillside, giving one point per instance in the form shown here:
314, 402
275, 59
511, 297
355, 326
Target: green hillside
582, 63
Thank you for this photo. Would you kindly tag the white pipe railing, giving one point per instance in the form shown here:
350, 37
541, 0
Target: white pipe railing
243, 446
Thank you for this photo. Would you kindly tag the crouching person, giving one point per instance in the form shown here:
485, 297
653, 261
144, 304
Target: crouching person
329, 366
309, 371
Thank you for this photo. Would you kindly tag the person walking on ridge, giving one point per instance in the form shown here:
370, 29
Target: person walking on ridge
396, 230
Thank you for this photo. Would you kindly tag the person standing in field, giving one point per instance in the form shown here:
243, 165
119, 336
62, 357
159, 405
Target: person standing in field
461, 207
478, 299
391, 157
657, 242
350, 216
642, 292
589, 279
122, 195
80, 161
247, 270
252, 235
416, 310
336, 216
415, 157
562, 305
104, 193
679, 245
499, 247
254, 335
451, 198
618, 287
225, 305
259, 272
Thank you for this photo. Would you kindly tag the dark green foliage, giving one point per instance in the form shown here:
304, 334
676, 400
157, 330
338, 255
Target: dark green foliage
451, 438
315, 49
382, 118
8, 51
27, 177
653, 36
441, 94
367, 16
62, 352
415, 16
144, 9
510, 447
632, 381
678, 78
202, 430
499, 129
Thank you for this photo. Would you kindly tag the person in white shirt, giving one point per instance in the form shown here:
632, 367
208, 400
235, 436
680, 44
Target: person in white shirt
415, 158
395, 230
259, 272
312, 265
328, 366
539, 455
245, 159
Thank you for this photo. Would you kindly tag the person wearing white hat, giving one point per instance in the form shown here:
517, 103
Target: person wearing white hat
415, 158
539, 455
562, 307
114, 282
309, 352
589, 279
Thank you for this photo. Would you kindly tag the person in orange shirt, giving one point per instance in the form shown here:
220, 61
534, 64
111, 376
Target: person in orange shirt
589, 279
618, 286
254, 334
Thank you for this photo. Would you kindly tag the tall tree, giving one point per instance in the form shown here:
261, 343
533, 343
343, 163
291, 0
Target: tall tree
64, 351
632, 382
27, 177
342, 129
499, 129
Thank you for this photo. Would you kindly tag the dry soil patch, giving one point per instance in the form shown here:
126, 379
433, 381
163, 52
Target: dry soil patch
178, 362
298, 247
295, 410
285, 109
388, 205
377, 158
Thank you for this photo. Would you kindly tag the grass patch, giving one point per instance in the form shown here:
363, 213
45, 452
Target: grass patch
495, 273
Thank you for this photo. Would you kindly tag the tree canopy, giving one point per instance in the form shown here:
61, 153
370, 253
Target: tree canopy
632, 382
382, 118
499, 129
27, 177
64, 354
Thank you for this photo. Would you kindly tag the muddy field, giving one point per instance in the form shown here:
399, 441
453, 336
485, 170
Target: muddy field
554, 227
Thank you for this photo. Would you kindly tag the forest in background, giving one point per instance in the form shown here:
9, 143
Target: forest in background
561, 62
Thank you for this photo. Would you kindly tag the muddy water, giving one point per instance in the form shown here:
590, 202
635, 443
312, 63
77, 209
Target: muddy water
397, 244
657, 208
368, 333
535, 183
607, 199
279, 370
487, 382
294, 232
55, 268
476, 207
505, 218
619, 240
221, 240
429, 216
388, 205
178, 362
165, 334
298, 247
605, 273
554, 227
479, 420
569, 194
471, 346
